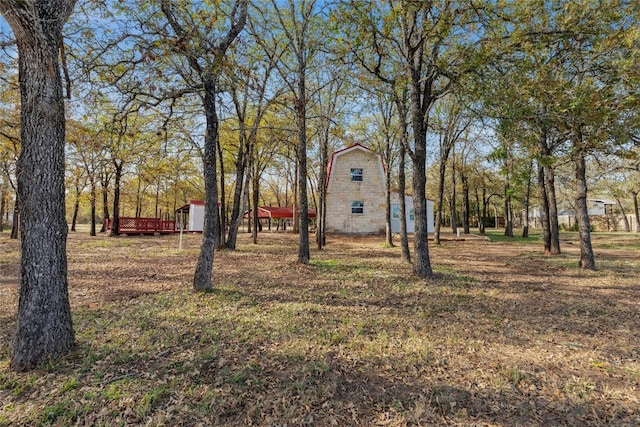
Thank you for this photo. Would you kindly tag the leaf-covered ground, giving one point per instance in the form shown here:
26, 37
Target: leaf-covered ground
502, 336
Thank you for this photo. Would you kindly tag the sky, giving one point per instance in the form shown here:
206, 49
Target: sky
6, 35
5, 29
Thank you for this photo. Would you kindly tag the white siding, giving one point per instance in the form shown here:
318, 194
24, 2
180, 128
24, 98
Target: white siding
196, 217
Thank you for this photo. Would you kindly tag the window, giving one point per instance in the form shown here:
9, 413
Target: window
357, 208
356, 174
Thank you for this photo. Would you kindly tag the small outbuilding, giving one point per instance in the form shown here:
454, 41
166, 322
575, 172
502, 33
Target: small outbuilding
190, 217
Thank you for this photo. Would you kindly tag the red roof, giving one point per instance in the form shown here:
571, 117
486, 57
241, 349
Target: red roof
277, 212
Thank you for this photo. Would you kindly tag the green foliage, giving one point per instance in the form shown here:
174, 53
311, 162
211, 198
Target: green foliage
151, 399
499, 237
71, 384
62, 412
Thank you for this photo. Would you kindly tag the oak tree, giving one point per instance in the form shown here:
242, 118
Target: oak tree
44, 327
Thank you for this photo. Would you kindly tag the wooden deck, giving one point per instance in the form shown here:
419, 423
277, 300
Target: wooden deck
132, 225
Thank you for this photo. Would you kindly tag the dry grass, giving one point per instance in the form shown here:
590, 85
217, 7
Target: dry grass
501, 336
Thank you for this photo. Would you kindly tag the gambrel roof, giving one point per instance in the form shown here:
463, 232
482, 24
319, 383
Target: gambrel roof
355, 147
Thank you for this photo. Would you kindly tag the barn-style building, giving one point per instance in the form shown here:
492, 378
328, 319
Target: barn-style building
356, 193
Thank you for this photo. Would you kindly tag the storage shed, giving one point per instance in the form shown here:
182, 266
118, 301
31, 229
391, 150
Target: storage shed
190, 217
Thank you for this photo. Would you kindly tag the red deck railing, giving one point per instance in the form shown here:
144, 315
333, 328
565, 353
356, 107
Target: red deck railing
133, 225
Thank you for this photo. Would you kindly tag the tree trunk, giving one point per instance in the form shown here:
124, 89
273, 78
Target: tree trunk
301, 115
452, 212
3, 205
115, 224
525, 226
466, 207
480, 215
249, 222
204, 266
92, 231
158, 209
402, 185
222, 211
554, 227
549, 200
508, 220
401, 104
485, 204
76, 209
245, 195
544, 208
139, 202
255, 196
321, 215
237, 212
627, 226
15, 226
511, 216
296, 204
388, 237
527, 196
422, 262
314, 200
636, 210
441, 177
452, 200
105, 202
238, 206
321, 238
44, 328
587, 259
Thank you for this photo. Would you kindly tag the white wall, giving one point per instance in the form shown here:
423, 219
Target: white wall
395, 213
430, 219
196, 217
410, 211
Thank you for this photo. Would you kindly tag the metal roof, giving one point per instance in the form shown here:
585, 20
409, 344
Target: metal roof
277, 212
